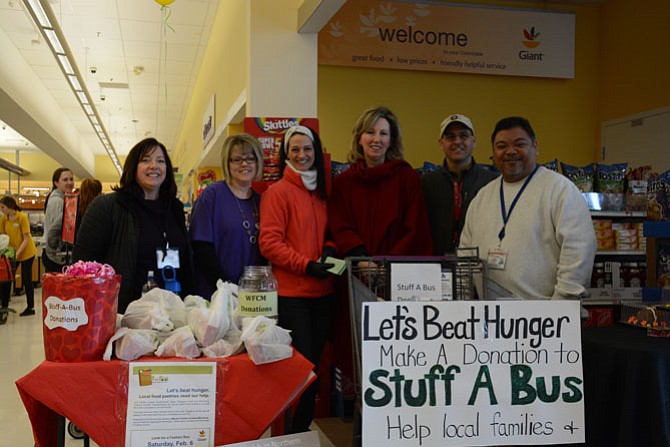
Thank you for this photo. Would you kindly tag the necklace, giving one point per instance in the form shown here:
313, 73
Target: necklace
253, 236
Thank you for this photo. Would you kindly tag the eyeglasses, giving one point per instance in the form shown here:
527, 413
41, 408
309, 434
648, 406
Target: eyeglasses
452, 136
239, 160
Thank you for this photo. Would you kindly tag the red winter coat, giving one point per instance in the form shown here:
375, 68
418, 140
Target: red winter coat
293, 232
381, 208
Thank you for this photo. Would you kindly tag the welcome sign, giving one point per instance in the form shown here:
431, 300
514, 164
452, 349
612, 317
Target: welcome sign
469, 39
469, 373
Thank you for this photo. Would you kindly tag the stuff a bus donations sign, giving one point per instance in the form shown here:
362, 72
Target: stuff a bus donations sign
471, 373
270, 132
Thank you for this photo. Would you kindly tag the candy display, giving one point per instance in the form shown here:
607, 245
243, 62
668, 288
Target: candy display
636, 183
663, 267
654, 318
658, 193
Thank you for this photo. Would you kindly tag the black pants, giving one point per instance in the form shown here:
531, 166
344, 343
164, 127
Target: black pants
26, 279
309, 320
50, 266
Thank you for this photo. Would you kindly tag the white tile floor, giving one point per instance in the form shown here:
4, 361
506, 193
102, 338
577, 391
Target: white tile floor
21, 350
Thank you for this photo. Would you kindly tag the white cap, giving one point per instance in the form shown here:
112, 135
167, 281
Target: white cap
456, 119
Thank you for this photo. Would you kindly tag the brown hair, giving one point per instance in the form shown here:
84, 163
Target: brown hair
128, 182
54, 178
10, 203
90, 189
368, 119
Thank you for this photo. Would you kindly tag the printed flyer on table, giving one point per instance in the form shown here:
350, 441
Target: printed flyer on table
171, 404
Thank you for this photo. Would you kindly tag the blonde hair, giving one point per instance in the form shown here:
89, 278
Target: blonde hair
368, 119
245, 143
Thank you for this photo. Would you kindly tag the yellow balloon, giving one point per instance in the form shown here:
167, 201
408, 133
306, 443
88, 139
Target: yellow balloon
164, 2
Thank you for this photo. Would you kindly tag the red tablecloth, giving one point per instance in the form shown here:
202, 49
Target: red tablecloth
93, 395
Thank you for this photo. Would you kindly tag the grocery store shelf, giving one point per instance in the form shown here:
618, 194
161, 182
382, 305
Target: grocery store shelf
618, 213
621, 253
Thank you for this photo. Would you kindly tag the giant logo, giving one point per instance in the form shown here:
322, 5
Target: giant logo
531, 38
530, 42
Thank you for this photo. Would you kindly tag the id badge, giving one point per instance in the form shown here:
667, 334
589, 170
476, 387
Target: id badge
169, 257
496, 258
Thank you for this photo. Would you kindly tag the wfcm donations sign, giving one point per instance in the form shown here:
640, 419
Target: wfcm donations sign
469, 39
466, 373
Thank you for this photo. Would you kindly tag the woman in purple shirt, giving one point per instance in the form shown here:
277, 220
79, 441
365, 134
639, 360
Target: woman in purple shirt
225, 219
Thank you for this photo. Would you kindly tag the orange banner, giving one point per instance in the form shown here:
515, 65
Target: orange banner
469, 39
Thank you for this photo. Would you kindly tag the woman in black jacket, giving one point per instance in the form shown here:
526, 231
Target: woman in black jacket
138, 224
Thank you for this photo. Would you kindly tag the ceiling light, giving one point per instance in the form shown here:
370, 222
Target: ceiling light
74, 82
38, 12
53, 40
65, 64
46, 21
82, 98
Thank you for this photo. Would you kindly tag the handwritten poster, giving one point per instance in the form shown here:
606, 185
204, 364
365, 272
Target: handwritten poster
466, 373
171, 404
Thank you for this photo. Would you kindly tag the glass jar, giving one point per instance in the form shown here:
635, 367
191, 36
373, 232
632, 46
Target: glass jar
257, 292
598, 276
636, 277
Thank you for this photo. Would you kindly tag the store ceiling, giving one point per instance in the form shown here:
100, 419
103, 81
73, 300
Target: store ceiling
145, 71
140, 72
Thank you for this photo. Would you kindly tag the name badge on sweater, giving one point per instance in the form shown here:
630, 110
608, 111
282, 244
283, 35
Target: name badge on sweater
496, 258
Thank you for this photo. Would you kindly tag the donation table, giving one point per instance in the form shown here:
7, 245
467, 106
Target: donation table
93, 396
626, 387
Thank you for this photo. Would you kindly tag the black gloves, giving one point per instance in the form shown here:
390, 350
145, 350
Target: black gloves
318, 269
328, 251
357, 252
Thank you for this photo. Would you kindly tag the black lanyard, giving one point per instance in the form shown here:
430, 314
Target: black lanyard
505, 214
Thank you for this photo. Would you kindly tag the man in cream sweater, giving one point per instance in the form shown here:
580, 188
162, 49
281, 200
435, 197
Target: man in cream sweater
532, 226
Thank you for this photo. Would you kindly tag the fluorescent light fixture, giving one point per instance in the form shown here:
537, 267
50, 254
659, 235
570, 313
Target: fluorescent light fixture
74, 82
65, 65
48, 25
52, 37
40, 14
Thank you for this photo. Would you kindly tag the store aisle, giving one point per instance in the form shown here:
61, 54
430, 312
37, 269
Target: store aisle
21, 350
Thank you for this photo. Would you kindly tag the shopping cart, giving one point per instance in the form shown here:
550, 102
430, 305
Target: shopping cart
370, 280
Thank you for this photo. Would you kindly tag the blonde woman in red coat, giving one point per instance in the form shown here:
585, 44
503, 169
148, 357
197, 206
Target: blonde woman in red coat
293, 238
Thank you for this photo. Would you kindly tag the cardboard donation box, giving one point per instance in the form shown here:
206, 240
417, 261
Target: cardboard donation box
79, 315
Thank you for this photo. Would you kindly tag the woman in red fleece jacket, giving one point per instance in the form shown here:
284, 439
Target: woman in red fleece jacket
377, 206
293, 239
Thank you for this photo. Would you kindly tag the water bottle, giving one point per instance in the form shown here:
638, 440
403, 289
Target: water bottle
150, 284
257, 292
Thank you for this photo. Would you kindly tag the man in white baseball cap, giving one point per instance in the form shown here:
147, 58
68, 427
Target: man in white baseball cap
449, 189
